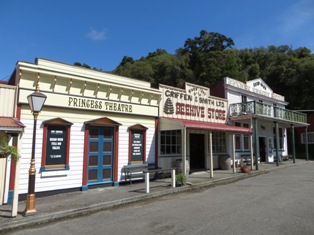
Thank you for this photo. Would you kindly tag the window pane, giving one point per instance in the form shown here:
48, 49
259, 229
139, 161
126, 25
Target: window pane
93, 160
108, 133
93, 133
170, 142
238, 142
107, 147
92, 174
106, 174
93, 146
173, 140
246, 142
106, 160
162, 149
173, 149
162, 139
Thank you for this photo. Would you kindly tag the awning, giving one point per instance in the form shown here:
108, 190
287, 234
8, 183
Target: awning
172, 124
11, 125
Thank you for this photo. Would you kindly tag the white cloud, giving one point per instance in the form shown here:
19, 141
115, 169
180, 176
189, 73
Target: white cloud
97, 35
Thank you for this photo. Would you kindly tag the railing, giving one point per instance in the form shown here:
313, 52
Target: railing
262, 109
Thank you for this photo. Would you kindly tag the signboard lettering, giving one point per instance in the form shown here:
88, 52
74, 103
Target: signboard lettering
194, 103
99, 105
137, 146
56, 145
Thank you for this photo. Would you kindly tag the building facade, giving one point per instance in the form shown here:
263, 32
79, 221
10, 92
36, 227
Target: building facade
254, 104
194, 130
92, 124
11, 130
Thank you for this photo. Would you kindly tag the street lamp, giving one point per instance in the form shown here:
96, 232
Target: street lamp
36, 101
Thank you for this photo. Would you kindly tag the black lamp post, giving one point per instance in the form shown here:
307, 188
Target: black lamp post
36, 101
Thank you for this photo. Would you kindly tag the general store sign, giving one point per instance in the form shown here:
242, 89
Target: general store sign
193, 103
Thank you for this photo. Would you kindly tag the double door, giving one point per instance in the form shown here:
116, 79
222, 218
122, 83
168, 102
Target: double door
100, 155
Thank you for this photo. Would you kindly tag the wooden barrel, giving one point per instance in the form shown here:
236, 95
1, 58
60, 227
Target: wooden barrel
179, 166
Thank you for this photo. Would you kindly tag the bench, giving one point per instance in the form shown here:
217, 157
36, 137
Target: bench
134, 171
142, 171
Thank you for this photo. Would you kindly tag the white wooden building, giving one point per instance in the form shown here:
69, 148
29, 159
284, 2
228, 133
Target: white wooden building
194, 130
254, 104
88, 127
11, 131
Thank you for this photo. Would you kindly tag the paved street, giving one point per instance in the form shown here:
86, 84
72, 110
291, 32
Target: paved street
280, 202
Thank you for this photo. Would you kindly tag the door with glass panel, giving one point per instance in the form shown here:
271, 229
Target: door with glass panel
100, 155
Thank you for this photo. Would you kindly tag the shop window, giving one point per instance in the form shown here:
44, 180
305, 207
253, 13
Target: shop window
170, 142
242, 140
137, 143
56, 145
219, 142
238, 142
246, 138
238, 138
310, 138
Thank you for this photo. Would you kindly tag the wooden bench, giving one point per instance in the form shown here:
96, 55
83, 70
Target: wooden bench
134, 171
142, 171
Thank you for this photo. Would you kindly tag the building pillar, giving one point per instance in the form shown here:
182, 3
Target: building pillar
233, 153
293, 143
256, 142
277, 143
184, 151
251, 152
210, 138
306, 145
16, 180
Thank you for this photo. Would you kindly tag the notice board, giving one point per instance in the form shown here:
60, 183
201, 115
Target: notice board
137, 146
56, 145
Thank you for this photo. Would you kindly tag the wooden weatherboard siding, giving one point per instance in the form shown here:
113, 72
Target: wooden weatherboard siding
79, 95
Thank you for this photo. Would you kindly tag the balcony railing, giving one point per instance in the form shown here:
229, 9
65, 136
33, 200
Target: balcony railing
262, 109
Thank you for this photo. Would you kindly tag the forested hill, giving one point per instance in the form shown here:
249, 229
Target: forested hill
209, 57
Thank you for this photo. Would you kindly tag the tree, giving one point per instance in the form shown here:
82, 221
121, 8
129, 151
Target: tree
203, 52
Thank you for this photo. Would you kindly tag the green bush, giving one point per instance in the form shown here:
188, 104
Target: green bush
7, 150
181, 179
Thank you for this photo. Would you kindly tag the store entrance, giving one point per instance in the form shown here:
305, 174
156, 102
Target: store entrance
197, 151
100, 155
262, 148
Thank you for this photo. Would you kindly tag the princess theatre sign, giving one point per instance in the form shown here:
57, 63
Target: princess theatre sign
193, 103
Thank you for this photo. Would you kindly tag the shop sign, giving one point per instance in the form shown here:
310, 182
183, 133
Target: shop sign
99, 105
257, 86
192, 103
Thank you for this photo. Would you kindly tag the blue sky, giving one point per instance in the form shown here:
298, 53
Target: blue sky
100, 32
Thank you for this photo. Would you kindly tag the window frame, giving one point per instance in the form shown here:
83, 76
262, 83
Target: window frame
242, 138
310, 138
175, 143
219, 142
137, 129
56, 122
